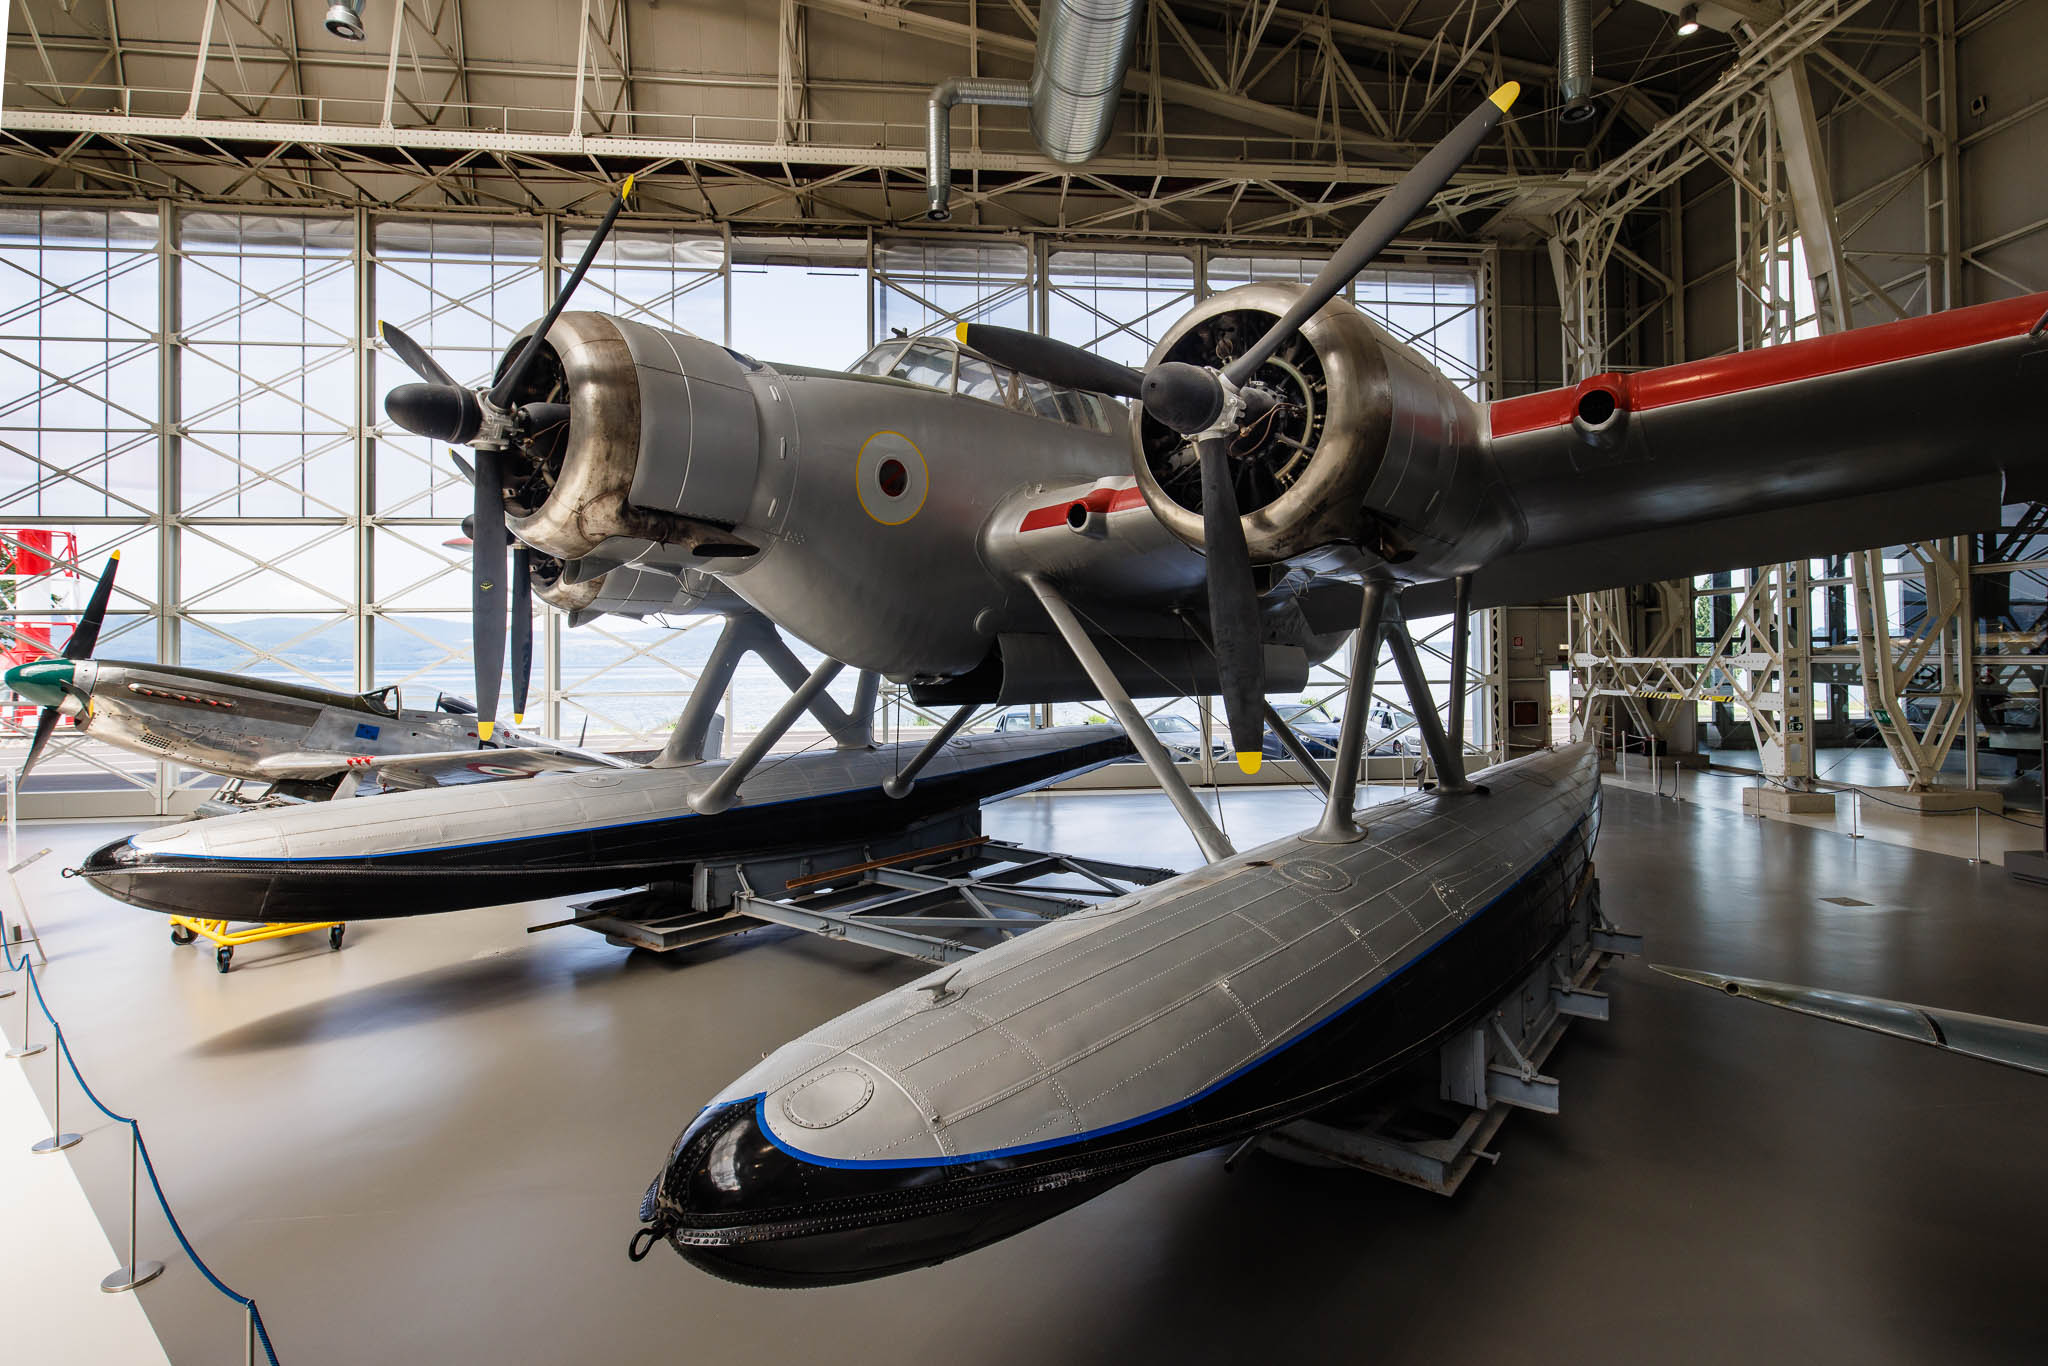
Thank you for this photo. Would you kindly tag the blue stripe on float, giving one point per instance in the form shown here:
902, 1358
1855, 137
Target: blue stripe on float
761, 1100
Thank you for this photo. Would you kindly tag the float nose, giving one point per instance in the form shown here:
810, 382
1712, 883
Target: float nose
43, 681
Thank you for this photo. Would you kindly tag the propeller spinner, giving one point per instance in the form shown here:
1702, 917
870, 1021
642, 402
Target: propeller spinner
48, 680
1211, 406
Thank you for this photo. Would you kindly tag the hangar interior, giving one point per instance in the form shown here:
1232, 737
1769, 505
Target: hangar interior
434, 1138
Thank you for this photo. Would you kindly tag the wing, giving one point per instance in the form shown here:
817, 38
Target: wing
445, 768
1906, 431
2009, 1043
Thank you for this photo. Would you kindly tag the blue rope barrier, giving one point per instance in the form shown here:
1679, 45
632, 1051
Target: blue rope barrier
156, 1187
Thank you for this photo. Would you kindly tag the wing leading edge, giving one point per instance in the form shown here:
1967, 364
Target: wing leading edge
1904, 431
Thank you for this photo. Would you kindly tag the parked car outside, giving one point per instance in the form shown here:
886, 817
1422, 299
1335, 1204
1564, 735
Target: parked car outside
1319, 731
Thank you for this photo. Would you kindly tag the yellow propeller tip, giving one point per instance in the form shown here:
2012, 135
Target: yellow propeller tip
627, 188
960, 332
518, 718
1249, 760
1505, 96
115, 556
484, 729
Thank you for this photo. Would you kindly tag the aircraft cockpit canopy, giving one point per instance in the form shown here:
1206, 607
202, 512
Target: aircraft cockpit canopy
941, 363
383, 700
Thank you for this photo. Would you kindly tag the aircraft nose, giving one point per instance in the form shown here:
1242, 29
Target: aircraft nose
43, 681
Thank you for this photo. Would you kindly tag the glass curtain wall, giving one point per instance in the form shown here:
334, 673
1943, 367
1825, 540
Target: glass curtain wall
286, 530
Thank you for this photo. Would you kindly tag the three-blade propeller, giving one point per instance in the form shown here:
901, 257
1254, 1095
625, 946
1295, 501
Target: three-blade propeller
80, 646
443, 410
1211, 406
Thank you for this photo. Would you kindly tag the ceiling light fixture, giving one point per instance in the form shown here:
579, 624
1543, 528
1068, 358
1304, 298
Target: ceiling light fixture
1688, 21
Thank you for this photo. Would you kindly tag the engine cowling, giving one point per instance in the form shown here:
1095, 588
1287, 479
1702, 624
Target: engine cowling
1371, 450
661, 445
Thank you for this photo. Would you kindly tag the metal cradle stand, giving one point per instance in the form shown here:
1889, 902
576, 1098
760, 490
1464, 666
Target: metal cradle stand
1430, 1131
938, 893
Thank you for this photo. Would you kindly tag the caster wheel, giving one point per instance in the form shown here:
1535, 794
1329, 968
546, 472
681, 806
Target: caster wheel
223, 957
334, 936
181, 935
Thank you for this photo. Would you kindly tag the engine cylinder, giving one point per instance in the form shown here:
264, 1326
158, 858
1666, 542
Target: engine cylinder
1368, 446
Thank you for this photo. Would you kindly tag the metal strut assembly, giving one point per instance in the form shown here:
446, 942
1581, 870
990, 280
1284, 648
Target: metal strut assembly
1297, 750
726, 785
1338, 825
1448, 762
898, 785
749, 632
1211, 840
1292, 742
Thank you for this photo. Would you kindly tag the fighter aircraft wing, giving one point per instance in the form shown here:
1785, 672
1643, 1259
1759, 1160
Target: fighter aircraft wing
2009, 1043
1899, 432
445, 768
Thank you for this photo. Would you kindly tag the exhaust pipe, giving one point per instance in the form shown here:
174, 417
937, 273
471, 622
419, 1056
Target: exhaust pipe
1084, 49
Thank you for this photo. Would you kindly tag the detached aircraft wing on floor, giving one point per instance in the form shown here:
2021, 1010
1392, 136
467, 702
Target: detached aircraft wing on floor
2009, 1043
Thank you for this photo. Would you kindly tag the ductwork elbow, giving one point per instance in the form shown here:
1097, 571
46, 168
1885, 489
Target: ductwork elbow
1084, 49
938, 130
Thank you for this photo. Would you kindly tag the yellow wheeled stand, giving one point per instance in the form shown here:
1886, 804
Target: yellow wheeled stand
185, 929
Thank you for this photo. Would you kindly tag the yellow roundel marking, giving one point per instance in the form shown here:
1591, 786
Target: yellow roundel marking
890, 478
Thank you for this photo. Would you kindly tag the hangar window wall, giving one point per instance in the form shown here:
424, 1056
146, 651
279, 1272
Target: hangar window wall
286, 530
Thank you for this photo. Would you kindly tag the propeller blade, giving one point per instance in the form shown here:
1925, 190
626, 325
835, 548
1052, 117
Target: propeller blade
414, 355
522, 628
487, 589
87, 636
501, 392
1387, 218
468, 470
1055, 362
1233, 606
46, 721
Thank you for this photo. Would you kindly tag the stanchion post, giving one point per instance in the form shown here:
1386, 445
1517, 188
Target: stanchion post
58, 1140
1977, 818
136, 1272
1855, 805
27, 1049
249, 1334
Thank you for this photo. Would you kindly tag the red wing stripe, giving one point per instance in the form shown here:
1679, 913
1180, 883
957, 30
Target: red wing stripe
1104, 501
1785, 364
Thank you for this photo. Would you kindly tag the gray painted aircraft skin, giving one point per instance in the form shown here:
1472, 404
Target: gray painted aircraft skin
557, 833
951, 526
264, 731
984, 1096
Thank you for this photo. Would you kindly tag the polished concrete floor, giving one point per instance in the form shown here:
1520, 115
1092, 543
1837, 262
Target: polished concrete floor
430, 1145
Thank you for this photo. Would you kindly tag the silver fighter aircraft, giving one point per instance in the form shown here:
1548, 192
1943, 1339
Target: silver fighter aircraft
307, 743
975, 521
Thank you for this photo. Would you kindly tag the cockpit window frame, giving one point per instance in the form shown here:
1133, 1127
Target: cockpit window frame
1088, 411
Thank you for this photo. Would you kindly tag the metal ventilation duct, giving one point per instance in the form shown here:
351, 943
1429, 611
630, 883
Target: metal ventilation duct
1084, 49
345, 19
1575, 59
